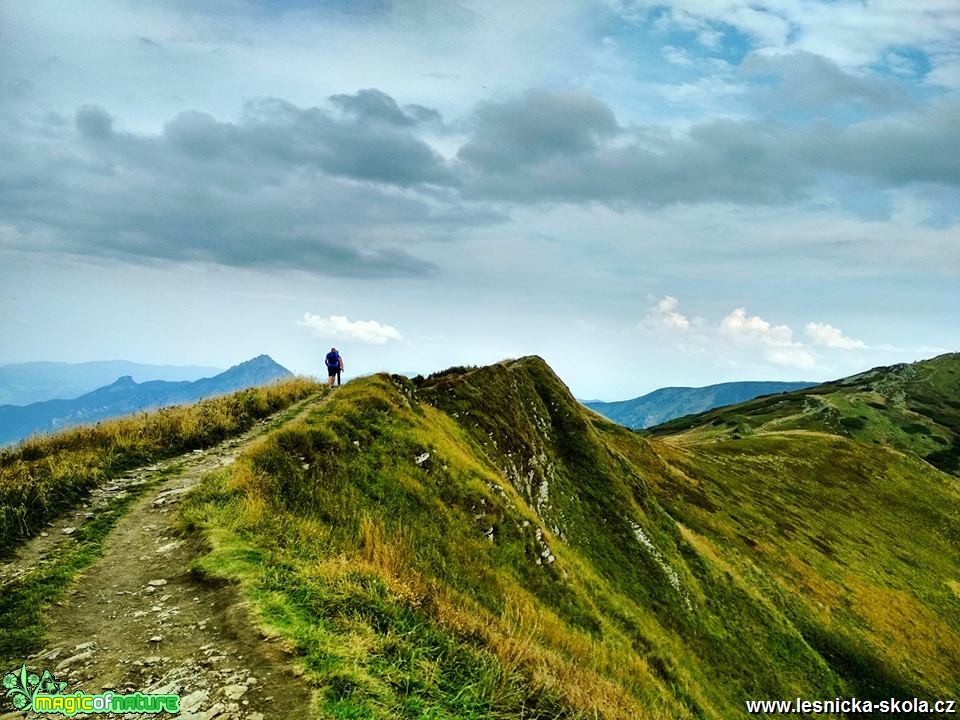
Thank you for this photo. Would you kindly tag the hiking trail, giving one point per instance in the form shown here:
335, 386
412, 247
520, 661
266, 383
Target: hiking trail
138, 619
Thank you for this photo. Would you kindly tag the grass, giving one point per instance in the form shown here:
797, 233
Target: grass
853, 544
380, 571
47, 474
912, 408
393, 536
477, 545
25, 600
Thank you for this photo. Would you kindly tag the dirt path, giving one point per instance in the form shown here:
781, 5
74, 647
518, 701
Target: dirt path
138, 620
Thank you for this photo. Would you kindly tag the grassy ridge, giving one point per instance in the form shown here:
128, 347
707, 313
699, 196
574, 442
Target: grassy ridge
913, 408
592, 482
857, 547
476, 545
379, 569
834, 500
47, 474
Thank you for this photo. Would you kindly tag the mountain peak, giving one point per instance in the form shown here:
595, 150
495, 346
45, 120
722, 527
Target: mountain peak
125, 395
260, 361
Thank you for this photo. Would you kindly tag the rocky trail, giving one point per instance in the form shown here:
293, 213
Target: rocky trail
139, 620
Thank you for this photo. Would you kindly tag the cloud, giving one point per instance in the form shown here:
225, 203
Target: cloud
805, 81
281, 187
561, 147
848, 33
774, 341
893, 150
754, 328
338, 327
357, 188
829, 336
365, 144
535, 127
94, 122
584, 156
665, 315
374, 105
736, 337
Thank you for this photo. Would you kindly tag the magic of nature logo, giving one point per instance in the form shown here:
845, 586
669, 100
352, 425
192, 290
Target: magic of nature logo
43, 693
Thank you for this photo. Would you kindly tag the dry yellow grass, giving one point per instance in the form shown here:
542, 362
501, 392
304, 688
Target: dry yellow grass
45, 474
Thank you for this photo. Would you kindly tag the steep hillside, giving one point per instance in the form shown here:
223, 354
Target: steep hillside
666, 404
478, 544
914, 408
124, 396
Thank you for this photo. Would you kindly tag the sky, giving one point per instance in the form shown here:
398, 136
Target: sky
645, 194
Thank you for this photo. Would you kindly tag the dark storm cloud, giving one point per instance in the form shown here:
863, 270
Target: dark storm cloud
373, 106
365, 143
920, 146
569, 147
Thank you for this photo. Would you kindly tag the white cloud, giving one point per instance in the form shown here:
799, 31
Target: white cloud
676, 56
754, 328
831, 337
664, 315
774, 341
338, 327
736, 337
851, 33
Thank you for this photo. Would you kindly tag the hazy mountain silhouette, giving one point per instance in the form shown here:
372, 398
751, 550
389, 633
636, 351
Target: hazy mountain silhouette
125, 396
668, 403
25, 383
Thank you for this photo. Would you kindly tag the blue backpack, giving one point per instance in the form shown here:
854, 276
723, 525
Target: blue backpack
333, 359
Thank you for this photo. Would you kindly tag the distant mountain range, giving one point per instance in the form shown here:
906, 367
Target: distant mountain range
25, 383
666, 404
126, 396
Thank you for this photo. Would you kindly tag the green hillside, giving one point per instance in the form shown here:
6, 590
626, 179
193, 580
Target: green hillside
479, 545
914, 408
665, 404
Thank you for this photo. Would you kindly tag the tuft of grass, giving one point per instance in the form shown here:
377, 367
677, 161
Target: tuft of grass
47, 474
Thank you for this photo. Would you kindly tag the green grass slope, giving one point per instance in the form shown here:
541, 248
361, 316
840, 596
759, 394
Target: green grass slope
914, 408
668, 403
477, 544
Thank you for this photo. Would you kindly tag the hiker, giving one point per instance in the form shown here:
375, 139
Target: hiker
334, 367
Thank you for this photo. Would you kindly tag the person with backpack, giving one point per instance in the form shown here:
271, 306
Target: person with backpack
334, 366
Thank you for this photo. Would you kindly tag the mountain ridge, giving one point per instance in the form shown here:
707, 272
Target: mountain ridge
913, 407
124, 396
664, 404
31, 382
607, 573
